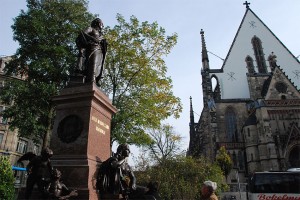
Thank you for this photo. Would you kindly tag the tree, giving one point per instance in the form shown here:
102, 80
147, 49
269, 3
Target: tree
182, 177
224, 161
44, 60
165, 143
136, 80
7, 190
135, 70
178, 177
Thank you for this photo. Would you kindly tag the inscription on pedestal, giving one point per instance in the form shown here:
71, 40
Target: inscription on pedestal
101, 127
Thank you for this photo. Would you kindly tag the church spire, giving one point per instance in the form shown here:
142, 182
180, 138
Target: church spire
205, 60
191, 112
206, 80
192, 130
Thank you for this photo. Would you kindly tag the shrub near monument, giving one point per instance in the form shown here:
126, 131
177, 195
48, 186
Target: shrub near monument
7, 190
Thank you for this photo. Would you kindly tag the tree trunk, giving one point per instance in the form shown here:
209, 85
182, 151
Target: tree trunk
46, 138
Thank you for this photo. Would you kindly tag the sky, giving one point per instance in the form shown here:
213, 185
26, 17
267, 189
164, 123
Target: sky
219, 19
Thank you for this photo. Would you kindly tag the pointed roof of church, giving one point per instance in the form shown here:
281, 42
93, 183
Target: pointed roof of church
233, 71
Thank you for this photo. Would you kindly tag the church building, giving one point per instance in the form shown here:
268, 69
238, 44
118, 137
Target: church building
253, 110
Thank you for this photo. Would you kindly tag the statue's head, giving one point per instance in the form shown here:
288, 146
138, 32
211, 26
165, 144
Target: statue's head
47, 153
123, 149
97, 23
56, 174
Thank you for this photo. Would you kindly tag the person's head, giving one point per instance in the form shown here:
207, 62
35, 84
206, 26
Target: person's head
47, 153
97, 23
56, 174
208, 188
123, 150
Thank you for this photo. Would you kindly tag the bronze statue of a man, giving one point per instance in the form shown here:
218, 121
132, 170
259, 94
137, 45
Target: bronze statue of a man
92, 50
115, 176
39, 169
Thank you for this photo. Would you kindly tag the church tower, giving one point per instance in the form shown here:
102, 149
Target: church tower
203, 143
254, 108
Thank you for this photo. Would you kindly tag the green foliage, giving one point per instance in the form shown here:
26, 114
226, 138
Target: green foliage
181, 178
135, 78
224, 161
33, 105
46, 33
7, 190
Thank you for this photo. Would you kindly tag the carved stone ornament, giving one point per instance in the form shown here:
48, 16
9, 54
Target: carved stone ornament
281, 87
70, 128
277, 75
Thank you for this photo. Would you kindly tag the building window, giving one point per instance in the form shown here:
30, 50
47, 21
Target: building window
230, 120
248, 130
250, 65
36, 149
19, 176
22, 146
234, 159
259, 55
251, 156
241, 160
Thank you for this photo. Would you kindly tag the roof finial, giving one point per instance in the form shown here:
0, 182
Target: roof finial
247, 4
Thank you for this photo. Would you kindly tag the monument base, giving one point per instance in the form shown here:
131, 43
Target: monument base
81, 136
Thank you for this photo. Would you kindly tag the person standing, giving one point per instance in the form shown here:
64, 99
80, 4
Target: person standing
208, 190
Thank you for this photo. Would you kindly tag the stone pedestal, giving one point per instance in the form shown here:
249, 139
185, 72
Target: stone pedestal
81, 136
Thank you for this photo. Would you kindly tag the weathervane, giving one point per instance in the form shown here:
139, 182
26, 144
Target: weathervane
247, 4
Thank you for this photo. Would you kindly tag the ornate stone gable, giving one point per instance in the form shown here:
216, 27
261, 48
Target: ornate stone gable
280, 87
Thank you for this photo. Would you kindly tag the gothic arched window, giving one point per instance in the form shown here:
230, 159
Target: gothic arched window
250, 65
259, 55
216, 87
230, 120
234, 159
248, 130
241, 160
